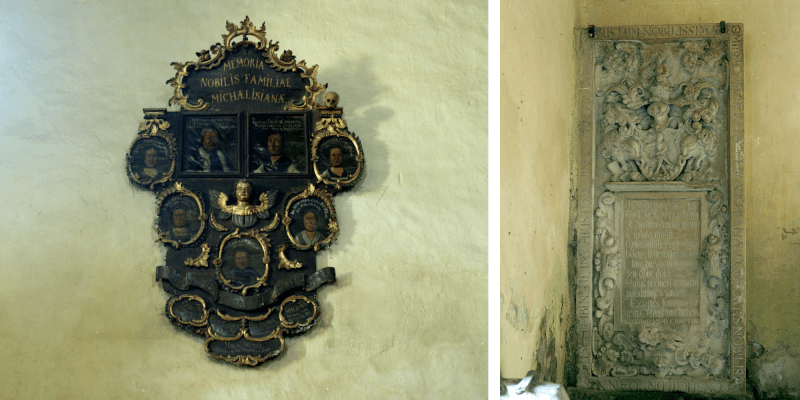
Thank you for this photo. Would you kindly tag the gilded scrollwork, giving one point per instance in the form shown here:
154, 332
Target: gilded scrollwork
287, 320
242, 83
202, 259
213, 58
216, 225
151, 158
284, 262
659, 109
181, 309
179, 233
321, 203
242, 276
276, 220
198, 322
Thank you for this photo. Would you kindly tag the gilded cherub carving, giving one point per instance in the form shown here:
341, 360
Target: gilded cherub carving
243, 214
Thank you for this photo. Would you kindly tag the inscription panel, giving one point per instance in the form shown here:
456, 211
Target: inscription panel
661, 279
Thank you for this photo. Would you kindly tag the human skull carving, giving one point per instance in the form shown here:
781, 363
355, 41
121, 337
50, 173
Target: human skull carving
331, 99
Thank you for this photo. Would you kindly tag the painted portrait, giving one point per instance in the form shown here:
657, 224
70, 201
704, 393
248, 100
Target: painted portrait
211, 144
278, 144
242, 262
337, 159
309, 222
150, 160
179, 219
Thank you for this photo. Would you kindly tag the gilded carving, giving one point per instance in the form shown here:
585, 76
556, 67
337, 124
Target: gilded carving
199, 322
335, 152
287, 312
213, 58
180, 216
202, 259
285, 262
243, 214
216, 225
151, 158
238, 268
303, 216
249, 149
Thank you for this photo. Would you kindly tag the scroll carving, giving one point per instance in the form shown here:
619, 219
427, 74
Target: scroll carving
606, 263
651, 350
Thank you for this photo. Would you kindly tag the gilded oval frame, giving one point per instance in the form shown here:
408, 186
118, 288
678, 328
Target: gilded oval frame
180, 190
156, 129
333, 225
263, 241
331, 129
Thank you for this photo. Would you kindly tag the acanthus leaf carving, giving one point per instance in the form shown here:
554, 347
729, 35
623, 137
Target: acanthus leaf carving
659, 120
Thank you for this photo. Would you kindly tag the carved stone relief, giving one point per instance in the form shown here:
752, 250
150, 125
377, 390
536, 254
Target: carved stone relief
656, 256
659, 108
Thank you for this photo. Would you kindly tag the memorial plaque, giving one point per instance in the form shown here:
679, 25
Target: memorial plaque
241, 203
660, 223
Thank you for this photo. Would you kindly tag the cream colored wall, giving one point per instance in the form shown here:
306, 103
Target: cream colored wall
535, 83
772, 140
80, 314
536, 87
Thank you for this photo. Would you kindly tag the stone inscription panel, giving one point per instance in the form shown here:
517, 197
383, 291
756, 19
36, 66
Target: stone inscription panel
661, 276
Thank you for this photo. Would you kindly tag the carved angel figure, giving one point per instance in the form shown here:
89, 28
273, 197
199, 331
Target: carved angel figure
244, 214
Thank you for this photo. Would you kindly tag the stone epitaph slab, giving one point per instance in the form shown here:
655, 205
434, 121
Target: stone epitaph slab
660, 226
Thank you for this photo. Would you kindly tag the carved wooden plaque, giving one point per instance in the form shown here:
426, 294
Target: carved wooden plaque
660, 290
244, 176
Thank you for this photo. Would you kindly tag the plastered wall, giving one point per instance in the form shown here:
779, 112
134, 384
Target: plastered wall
772, 170
82, 316
536, 86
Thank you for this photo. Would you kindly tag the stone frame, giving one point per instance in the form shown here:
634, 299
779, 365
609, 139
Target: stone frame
731, 209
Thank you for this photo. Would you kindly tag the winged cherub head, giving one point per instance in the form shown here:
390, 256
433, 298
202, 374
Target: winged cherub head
243, 190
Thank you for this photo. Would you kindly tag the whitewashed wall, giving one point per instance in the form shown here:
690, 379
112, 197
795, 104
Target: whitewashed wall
80, 314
